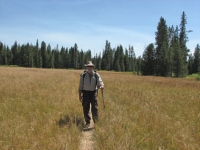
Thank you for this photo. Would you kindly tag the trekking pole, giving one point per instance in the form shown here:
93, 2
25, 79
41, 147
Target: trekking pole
103, 99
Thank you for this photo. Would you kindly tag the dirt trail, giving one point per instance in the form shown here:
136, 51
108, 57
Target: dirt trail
87, 139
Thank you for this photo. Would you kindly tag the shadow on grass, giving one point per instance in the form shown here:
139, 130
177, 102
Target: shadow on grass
66, 120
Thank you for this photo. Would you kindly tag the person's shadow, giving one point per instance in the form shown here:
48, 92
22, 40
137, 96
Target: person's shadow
67, 120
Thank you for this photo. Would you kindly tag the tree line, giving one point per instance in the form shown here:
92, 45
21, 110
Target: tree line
43, 56
169, 55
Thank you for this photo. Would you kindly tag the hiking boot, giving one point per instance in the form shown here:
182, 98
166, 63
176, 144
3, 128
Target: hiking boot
87, 125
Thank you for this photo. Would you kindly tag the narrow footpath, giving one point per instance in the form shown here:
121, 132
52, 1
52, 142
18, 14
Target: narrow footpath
87, 139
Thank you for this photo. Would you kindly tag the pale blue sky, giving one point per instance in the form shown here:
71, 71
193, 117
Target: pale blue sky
89, 23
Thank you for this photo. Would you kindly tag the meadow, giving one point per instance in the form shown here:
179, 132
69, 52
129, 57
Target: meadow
39, 109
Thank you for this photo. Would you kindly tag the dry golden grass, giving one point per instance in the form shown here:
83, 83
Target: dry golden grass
39, 109
149, 113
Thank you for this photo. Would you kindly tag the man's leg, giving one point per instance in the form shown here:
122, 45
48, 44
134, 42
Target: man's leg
94, 104
86, 109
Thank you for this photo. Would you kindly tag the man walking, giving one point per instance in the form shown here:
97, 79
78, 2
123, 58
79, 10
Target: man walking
90, 82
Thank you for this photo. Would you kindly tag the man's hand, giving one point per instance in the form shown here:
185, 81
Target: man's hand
101, 87
80, 98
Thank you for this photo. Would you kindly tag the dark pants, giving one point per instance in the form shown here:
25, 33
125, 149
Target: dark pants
90, 97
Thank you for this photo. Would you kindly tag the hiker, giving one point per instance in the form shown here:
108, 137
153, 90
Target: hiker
90, 82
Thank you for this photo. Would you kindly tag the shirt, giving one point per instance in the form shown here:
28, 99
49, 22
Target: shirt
90, 82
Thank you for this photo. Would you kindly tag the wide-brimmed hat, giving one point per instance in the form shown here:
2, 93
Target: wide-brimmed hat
89, 63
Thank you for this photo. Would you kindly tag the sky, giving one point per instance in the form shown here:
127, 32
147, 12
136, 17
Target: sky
89, 23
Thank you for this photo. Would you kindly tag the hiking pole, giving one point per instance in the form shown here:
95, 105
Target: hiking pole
103, 99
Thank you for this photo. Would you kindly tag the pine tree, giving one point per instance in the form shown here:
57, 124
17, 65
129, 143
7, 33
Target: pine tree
14, 50
30, 49
179, 68
63, 57
138, 65
162, 49
148, 62
190, 64
183, 36
76, 53
116, 62
121, 58
126, 61
132, 59
196, 64
67, 62
117, 66
36, 55
107, 58
81, 59
8, 56
171, 49
98, 65
48, 56
57, 58
183, 39
52, 59
44, 54
1, 53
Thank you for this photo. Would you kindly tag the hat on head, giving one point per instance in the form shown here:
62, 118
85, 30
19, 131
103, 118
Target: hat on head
89, 63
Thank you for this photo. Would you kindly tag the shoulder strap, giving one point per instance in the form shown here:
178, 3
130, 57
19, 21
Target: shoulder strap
83, 77
96, 77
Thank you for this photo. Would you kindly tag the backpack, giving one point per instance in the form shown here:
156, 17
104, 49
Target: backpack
95, 75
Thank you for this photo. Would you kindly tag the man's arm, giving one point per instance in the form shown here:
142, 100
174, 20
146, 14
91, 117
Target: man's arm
80, 96
100, 83
80, 88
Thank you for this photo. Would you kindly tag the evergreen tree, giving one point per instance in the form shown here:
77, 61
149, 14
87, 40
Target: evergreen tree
15, 52
40, 58
162, 49
116, 62
178, 56
52, 59
148, 62
107, 58
76, 53
44, 54
171, 49
8, 55
191, 64
81, 61
30, 49
183, 39
57, 58
49, 57
138, 65
67, 59
121, 58
196, 64
1, 53
88, 56
63, 57
103, 62
183, 36
36, 55
24, 56
117, 66
132, 59
98, 63
126, 61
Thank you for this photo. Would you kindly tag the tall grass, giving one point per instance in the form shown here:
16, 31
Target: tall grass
149, 113
39, 109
